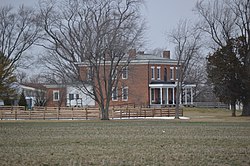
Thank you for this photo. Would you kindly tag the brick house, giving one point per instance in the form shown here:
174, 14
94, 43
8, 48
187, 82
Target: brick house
149, 80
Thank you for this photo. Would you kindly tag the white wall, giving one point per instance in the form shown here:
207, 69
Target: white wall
84, 100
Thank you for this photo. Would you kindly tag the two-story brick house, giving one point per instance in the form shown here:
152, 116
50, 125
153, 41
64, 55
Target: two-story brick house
149, 80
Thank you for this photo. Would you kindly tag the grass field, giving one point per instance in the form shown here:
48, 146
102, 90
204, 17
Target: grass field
210, 137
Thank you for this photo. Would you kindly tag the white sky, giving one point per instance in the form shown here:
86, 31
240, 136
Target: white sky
161, 17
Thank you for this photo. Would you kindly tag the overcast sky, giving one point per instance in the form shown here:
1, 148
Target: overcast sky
161, 16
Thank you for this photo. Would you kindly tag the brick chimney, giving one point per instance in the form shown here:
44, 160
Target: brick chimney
132, 53
166, 54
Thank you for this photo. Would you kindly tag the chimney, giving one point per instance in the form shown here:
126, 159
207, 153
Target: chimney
166, 54
132, 53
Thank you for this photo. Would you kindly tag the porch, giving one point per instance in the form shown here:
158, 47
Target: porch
164, 94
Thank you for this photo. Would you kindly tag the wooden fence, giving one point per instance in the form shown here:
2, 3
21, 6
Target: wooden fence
43, 113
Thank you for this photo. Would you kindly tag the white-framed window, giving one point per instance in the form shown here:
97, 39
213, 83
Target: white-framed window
71, 96
125, 93
158, 72
125, 72
114, 74
171, 73
152, 72
56, 95
153, 95
114, 94
177, 69
77, 96
89, 73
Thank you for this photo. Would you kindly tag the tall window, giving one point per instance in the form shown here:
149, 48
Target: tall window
71, 96
177, 72
125, 93
114, 94
89, 73
158, 73
153, 94
56, 96
165, 74
152, 72
125, 72
171, 73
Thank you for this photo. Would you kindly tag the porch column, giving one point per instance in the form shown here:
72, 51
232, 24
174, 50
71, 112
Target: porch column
191, 93
167, 95
185, 95
173, 96
161, 95
180, 99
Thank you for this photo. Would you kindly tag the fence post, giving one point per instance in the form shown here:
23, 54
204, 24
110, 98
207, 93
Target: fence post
57, 113
120, 113
161, 112
44, 112
86, 112
30, 114
168, 112
15, 114
1, 114
72, 113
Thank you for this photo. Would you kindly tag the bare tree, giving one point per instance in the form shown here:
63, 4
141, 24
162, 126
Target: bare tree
226, 20
18, 32
93, 36
187, 44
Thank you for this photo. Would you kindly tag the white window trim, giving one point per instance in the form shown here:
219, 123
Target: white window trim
56, 91
159, 70
153, 73
113, 94
153, 95
172, 73
126, 75
123, 92
176, 69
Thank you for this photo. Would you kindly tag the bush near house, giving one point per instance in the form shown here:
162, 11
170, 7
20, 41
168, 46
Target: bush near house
22, 100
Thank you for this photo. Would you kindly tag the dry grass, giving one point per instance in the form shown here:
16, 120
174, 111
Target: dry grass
131, 142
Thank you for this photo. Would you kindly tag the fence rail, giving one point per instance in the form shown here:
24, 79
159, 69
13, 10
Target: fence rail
43, 113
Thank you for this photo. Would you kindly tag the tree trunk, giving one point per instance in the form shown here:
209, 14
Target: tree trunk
246, 109
105, 113
177, 107
233, 108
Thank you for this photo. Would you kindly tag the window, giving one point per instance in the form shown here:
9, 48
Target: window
56, 95
177, 73
125, 94
71, 96
171, 73
114, 94
152, 72
158, 73
90, 73
77, 96
153, 94
125, 73
165, 74
114, 74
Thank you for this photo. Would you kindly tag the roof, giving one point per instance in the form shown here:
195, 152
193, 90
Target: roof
33, 86
145, 59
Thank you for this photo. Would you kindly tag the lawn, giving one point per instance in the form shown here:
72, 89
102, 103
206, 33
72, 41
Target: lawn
126, 142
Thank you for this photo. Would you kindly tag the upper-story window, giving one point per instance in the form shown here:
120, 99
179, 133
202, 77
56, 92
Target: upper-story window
165, 74
125, 72
171, 73
89, 73
114, 94
177, 72
152, 72
158, 72
56, 96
